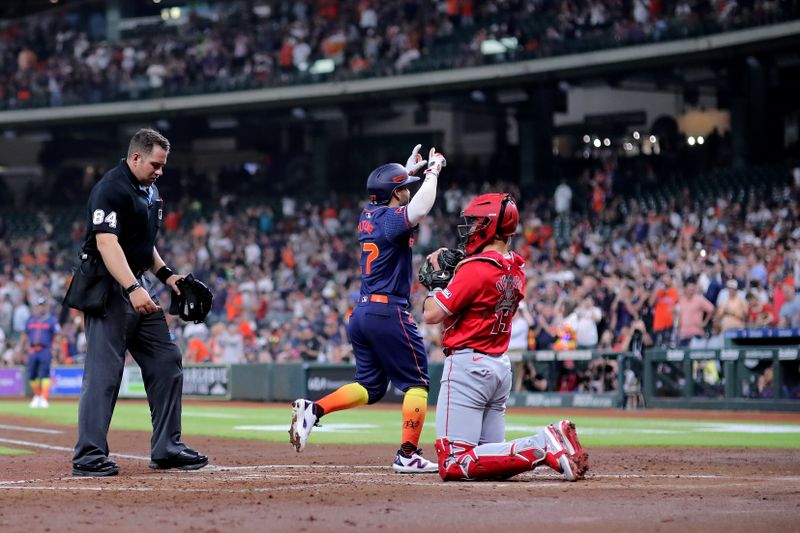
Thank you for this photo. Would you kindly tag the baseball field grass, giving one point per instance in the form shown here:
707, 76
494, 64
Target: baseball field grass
380, 425
13, 451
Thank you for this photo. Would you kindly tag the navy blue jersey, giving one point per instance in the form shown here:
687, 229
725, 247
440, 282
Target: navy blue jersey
41, 330
385, 235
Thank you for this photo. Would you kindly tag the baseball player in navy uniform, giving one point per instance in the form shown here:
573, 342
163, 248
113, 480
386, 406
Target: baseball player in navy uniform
40, 330
386, 343
477, 307
123, 218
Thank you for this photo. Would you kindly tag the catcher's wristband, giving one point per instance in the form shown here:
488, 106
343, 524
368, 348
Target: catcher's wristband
432, 292
164, 273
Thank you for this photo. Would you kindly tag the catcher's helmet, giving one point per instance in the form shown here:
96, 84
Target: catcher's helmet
383, 181
486, 216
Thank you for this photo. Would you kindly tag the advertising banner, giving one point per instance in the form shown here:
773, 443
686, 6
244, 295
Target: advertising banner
66, 380
12, 382
132, 383
212, 381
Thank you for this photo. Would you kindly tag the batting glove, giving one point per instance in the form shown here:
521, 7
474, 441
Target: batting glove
415, 161
436, 162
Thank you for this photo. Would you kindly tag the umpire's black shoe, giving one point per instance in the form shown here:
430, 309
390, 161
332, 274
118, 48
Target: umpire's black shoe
188, 459
101, 467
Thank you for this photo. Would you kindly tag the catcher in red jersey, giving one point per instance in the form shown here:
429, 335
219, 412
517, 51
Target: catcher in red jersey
477, 300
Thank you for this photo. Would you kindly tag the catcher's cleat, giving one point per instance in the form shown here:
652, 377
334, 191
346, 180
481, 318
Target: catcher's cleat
303, 421
569, 434
558, 457
413, 464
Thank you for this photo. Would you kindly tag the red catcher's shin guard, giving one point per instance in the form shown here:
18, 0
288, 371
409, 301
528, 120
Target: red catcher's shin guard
459, 461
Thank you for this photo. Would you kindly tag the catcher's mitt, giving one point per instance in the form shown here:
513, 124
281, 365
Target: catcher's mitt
194, 302
438, 279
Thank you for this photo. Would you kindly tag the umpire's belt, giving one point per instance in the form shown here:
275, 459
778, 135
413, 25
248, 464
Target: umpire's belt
383, 299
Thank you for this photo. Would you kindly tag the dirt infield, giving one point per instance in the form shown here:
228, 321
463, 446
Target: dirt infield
257, 486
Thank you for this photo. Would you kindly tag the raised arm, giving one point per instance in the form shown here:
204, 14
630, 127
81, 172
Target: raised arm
422, 202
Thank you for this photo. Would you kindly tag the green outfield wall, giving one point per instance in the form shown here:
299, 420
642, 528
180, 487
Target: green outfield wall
751, 377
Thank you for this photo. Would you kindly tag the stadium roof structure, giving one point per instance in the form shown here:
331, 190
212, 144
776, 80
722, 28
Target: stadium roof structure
10, 9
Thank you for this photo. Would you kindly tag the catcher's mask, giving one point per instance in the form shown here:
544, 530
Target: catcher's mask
487, 216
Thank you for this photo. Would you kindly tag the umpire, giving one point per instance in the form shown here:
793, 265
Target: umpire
124, 214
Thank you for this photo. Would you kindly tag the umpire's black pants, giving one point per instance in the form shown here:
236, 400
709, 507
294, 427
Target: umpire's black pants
148, 339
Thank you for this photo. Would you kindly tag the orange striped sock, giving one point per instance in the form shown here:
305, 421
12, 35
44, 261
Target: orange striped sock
345, 397
415, 405
37, 389
45, 387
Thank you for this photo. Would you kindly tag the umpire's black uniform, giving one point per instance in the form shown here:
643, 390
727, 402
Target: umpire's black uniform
120, 205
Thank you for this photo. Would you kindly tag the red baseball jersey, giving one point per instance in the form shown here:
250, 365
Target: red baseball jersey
481, 300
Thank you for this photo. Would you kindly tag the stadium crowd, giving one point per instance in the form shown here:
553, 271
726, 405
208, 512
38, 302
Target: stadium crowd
60, 57
286, 278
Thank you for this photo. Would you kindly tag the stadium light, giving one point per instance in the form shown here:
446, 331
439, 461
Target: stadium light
156, 1
606, 142
597, 143
691, 141
493, 46
587, 139
653, 139
636, 135
509, 42
478, 96
700, 139
322, 66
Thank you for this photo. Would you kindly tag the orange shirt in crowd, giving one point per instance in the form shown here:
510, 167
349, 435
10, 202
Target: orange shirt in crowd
197, 351
234, 306
285, 55
662, 312
598, 199
453, 8
247, 332
288, 256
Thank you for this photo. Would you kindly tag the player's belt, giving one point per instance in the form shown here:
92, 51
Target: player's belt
35, 347
383, 299
450, 351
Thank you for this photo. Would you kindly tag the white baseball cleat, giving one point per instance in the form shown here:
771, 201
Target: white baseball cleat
413, 464
44, 404
36, 402
303, 421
